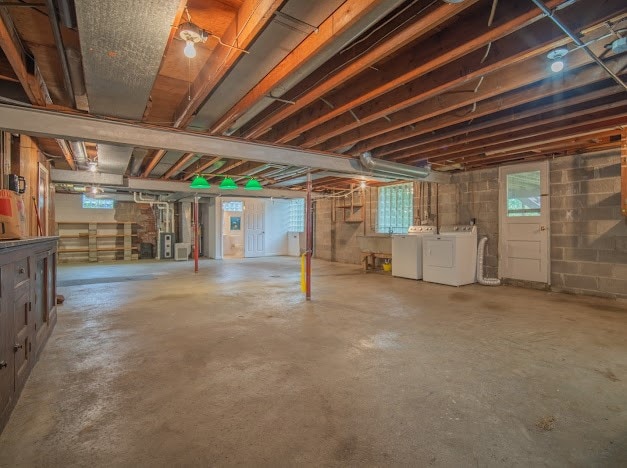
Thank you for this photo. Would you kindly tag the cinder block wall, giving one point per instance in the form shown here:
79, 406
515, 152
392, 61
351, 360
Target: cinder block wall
336, 240
588, 231
474, 195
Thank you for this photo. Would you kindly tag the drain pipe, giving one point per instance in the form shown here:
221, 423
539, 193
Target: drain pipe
391, 169
578, 41
480, 257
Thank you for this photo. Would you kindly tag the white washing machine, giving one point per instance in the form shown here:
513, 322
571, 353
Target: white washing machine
450, 257
407, 252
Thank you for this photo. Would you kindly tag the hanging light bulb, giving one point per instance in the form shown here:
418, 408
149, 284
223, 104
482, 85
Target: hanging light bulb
92, 166
189, 50
557, 59
557, 66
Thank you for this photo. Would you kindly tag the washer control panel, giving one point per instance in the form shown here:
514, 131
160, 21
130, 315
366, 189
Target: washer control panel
421, 230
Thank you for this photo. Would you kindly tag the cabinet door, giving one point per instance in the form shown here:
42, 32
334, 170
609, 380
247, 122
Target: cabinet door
7, 362
22, 319
40, 315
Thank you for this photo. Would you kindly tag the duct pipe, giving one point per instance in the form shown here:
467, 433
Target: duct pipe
578, 41
80, 152
480, 257
58, 41
381, 167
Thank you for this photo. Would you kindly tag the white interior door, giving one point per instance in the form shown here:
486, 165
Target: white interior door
524, 222
254, 214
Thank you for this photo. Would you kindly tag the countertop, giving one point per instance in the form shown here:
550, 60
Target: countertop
5, 244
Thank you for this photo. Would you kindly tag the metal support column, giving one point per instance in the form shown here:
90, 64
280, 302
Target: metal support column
196, 234
309, 238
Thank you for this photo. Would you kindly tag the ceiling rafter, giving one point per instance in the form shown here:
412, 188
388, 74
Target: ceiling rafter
535, 40
472, 35
342, 19
515, 122
508, 79
429, 21
257, 13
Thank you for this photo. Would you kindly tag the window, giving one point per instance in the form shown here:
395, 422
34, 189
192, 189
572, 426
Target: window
297, 215
232, 206
523, 194
98, 203
396, 208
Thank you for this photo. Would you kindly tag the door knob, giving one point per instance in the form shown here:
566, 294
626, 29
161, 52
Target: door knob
3, 364
542, 228
16, 347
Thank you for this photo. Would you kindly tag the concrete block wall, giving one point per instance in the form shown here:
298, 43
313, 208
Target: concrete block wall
588, 230
474, 195
336, 240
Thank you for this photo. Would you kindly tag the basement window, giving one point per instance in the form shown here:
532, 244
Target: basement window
523, 194
395, 209
297, 215
97, 203
232, 206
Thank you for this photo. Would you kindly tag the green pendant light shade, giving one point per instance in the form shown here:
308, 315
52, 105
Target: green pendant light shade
253, 184
199, 183
228, 184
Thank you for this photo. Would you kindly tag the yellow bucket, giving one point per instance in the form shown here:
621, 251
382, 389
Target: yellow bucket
387, 267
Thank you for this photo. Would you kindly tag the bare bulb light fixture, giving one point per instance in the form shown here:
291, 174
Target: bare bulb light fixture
192, 35
557, 59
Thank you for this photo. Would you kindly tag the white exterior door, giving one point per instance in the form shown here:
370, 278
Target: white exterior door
524, 222
255, 232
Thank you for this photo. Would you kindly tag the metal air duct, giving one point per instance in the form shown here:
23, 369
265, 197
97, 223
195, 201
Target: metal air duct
392, 169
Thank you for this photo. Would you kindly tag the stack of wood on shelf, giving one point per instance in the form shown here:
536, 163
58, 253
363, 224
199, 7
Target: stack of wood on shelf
97, 242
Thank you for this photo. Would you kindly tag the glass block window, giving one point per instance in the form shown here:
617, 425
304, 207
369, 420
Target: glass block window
396, 208
297, 215
98, 203
523, 194
232, 206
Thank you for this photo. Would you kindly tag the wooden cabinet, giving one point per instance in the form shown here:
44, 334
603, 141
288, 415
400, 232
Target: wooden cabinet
97, 242
28, 270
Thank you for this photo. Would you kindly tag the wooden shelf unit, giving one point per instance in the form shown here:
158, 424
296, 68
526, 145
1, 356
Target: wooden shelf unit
353, 206
97, 241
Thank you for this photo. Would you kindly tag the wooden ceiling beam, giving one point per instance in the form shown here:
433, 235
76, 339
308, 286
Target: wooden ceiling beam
583, 121
432, 19
517, 76
202, 168
178, 165
228, 168
423, 131
567, 145
572, 137
342, 19
535, 40
470, 35
469, 132
548, 114
15, 56
250, 20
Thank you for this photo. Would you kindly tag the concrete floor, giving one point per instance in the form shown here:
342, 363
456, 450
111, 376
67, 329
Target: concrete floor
233, 367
